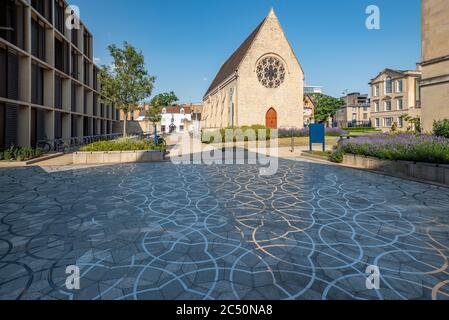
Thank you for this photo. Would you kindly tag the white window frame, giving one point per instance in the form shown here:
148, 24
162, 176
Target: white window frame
400, 104
399, 90
376, 106
385, 105
385, 122
388, 79
377, 122
376, 90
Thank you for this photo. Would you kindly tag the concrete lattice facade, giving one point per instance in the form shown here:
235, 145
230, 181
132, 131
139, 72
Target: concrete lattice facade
237, 97
395, 94
49, 87
435, 64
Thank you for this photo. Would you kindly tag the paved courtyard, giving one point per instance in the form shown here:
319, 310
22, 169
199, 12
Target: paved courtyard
160, 231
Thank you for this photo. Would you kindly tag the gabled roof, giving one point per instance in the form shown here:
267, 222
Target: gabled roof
231, 65
176, 109
399, 73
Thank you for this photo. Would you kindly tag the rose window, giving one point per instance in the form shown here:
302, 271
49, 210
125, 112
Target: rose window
270, 72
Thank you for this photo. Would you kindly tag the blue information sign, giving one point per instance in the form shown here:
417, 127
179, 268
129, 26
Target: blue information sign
317, 135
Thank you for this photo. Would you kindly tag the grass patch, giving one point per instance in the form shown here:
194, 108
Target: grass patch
304, 141
360, 129
319, 153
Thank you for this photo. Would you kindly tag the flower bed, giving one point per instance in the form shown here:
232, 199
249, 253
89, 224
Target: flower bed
406, 147
304, 132
123, 144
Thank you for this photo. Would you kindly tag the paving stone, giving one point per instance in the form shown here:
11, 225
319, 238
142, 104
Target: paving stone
160, 231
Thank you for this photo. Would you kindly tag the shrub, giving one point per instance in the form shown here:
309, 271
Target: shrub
394, 127
8, 154
337, 155
124, 144
20, 154
441, 128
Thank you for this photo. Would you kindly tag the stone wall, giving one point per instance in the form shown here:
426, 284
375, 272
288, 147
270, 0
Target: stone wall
435, 65
421, 171
115, 157
254, 100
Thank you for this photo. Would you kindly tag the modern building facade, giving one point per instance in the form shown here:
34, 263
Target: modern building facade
49, 85
312, 89
355, 113
261, 83
395, 97
435, 62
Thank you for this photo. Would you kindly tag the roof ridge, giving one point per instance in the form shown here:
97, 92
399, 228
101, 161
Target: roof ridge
232, 63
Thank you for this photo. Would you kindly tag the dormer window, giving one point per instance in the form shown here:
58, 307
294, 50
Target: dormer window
164, 111
183, 112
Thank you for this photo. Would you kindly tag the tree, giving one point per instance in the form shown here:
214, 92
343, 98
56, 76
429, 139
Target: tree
153, 114
325, 106
414, 123
126, 81
164, 99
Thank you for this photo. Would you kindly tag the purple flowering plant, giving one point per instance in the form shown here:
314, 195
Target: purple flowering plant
404, 146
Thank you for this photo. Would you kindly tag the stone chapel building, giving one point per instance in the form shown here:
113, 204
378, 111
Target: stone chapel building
262, 83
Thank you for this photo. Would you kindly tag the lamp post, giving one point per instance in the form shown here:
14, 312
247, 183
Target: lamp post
155, 134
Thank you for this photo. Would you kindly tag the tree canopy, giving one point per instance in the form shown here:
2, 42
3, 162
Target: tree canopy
325, 106
164, 99
153, 114
126, 81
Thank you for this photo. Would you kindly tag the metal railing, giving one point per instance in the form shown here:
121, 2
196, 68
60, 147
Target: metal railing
73, 144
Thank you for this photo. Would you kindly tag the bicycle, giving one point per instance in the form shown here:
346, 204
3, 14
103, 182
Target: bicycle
161, 141
61, 146
44, 145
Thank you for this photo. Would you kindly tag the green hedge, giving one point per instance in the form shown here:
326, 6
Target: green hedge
123, 144
20, 154
237, 134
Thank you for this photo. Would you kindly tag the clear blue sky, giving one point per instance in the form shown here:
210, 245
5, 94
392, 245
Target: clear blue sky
186, 41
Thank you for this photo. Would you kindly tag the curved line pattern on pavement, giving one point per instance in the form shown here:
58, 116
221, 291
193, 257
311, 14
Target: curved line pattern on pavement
160, 231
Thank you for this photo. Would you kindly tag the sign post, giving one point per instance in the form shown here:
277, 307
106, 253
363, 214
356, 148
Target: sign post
317, 135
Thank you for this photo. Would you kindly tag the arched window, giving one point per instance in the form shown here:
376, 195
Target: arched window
388, 85
164, 111
183, 112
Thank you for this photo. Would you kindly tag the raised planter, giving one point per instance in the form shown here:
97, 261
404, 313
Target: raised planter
11, 164
422, 171
115, 157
